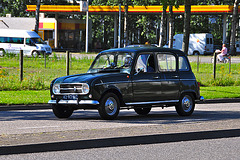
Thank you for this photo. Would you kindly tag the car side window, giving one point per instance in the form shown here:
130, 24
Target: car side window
183, 65
145, 62
166, 62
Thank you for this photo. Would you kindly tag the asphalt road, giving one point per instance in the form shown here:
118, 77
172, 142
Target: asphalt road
212, 132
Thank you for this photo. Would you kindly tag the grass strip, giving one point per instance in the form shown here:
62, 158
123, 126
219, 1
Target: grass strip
24, 97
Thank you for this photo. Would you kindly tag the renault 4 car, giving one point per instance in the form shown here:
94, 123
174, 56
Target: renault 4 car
136, 78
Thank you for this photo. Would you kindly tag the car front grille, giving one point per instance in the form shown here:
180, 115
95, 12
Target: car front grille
75, 88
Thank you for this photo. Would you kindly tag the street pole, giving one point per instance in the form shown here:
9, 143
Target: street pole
37, 16
119, 27
87, 18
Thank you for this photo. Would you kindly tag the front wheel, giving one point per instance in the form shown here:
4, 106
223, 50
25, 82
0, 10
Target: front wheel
109, 106
142, 111
2, 52
186, 105
35, 54
62, 111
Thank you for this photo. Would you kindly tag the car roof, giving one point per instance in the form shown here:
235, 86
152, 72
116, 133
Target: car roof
144, 49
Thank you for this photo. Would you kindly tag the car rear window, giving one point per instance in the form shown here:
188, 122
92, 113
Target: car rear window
183, 65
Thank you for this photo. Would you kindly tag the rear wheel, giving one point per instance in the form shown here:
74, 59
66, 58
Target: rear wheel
62, 111
186, 105
142, 111
196, 53
109, 106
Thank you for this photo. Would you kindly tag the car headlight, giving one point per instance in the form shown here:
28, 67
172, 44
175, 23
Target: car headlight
85, 88
56, 88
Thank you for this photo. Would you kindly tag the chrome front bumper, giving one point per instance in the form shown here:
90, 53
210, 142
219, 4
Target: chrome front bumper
75, 102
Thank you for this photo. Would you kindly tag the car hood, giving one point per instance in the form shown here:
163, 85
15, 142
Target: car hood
83, 78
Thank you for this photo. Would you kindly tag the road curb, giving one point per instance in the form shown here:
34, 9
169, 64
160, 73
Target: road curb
48, 106
25, 107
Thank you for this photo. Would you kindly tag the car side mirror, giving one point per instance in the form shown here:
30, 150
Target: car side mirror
139, 70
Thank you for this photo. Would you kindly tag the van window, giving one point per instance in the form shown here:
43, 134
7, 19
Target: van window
11, 40
33, 41
166, 62
211, 41
207, 40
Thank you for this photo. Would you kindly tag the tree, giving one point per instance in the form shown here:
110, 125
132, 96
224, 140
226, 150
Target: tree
17, 8
234, 26
163, 28
186, 28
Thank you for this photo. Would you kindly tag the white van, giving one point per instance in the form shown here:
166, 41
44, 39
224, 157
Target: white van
199, 43
12, 41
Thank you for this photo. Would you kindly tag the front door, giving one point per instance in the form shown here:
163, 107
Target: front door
146, 84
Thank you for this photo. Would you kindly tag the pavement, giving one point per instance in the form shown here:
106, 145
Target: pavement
111, 137
48, 106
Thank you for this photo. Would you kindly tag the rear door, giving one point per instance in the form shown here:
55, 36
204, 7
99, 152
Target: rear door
167, 66
209, 43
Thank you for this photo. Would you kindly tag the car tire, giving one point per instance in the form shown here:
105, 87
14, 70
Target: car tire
61, 111
186, 105
35, 54
142, 111
109, 106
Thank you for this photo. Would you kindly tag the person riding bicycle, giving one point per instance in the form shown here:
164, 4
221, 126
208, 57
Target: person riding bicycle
223, 53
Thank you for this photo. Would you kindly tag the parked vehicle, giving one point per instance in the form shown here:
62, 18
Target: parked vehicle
136, 78
199, 43
238, 47
12, 41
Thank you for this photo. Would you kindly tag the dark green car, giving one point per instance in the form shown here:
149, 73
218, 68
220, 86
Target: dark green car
129, 78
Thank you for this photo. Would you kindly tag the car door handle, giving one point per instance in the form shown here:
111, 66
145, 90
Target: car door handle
156, 77
175, 76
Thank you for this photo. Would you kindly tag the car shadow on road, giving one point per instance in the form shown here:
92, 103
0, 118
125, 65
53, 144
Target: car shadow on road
154, 117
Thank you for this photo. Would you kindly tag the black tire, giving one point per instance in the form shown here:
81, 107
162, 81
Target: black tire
35, 54
61, 111
196, 53
2, 52
186, 105
109, 106
142, 111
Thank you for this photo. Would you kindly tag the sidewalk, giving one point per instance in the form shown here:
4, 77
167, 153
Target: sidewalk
48, 106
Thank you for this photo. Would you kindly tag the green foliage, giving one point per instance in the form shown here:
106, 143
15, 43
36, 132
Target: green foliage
17, 8
35, 76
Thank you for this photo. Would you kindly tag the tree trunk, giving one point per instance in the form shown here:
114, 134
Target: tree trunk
171, 27
186, 28
234, 26
162, 29
126, 24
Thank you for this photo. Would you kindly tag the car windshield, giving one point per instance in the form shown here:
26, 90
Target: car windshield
113, 62
37, 41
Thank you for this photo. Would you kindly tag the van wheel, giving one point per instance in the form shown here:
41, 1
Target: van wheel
142, 111
35, 54
61, 111
186, 105
196, 53
109, 106
2, 52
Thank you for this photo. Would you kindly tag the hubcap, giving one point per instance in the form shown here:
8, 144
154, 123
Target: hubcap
187, 103
111, 106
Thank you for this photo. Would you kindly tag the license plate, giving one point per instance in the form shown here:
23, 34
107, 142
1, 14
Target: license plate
70, 97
